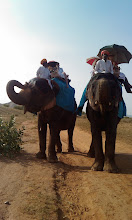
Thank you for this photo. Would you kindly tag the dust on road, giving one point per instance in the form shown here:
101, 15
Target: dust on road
68, 189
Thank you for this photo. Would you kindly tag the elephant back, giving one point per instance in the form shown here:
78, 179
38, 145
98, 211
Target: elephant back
66, 96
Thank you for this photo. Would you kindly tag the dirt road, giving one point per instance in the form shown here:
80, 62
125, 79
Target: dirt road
36, 189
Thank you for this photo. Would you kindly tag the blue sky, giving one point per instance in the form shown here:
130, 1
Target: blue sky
68, 31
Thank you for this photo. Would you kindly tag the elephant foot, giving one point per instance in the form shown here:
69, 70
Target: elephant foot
52, 159
59, 149
97, 166
41, 155
71, 149
91, 154
110, 167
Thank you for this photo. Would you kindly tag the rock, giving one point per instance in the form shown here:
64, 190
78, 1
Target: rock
7, 203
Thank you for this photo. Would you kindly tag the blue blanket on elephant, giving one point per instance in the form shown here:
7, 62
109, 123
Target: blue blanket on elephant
65, 97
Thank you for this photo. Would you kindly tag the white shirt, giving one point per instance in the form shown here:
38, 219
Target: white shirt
122, 76
43, 72
103, 67
60, 72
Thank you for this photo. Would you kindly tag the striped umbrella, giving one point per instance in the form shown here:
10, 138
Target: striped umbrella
92, 60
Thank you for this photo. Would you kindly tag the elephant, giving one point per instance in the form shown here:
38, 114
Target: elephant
103, 94
39, 96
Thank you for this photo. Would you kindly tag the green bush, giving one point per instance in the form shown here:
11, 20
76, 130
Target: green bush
10, 137
6, 105
19, 107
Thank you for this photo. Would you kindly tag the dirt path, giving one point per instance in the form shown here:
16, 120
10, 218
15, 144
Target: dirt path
67, 190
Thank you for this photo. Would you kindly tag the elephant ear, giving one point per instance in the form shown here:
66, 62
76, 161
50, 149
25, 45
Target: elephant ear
55, 86
43, 85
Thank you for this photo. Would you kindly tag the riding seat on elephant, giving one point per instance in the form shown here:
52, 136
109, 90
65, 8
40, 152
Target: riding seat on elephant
103, 94
38, 96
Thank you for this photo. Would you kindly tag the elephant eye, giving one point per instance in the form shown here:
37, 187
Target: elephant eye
34, 92
43, 86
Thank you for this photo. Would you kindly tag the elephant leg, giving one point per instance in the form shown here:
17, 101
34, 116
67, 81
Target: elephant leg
70, 135
70, 140
91, 152
42, 132
59, 144
54, 133
109, 164
99, 156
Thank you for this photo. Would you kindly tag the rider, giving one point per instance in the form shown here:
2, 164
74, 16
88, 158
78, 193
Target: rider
56, 71
43, 71
102, 66
122, 78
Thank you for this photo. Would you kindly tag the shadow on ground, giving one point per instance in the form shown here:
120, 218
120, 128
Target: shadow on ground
25, 159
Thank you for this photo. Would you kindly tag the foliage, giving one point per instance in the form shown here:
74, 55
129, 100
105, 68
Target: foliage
10, 137
18, 107
6, 105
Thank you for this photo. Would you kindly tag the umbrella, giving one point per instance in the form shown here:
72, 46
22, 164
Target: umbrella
92, 60
120, 53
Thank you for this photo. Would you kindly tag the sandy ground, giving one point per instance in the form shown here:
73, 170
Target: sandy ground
36, 189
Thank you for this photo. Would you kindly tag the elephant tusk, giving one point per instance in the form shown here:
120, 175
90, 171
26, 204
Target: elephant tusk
25, 109
116, 104
90, 102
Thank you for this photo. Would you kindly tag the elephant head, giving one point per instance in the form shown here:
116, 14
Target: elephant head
103, 92
34, 96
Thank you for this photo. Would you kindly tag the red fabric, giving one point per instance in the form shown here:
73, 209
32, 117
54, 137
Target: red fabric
91, 60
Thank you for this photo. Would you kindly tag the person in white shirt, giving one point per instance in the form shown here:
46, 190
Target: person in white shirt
101, 66
104, 65
122, 78
43, 71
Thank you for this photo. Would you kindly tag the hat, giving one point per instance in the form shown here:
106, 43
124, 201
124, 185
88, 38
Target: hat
43, 61
53, 63
105, 52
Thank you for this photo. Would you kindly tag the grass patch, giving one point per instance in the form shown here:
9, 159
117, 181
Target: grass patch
124, 130
20, 117
40, 206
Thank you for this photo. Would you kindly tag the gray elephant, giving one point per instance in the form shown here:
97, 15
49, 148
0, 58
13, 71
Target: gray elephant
38, 96
103, 94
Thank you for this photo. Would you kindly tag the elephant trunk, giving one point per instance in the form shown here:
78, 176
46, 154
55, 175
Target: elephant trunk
17, 98
103, 92
103, 95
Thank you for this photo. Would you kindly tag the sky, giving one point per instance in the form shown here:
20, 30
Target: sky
67, 31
